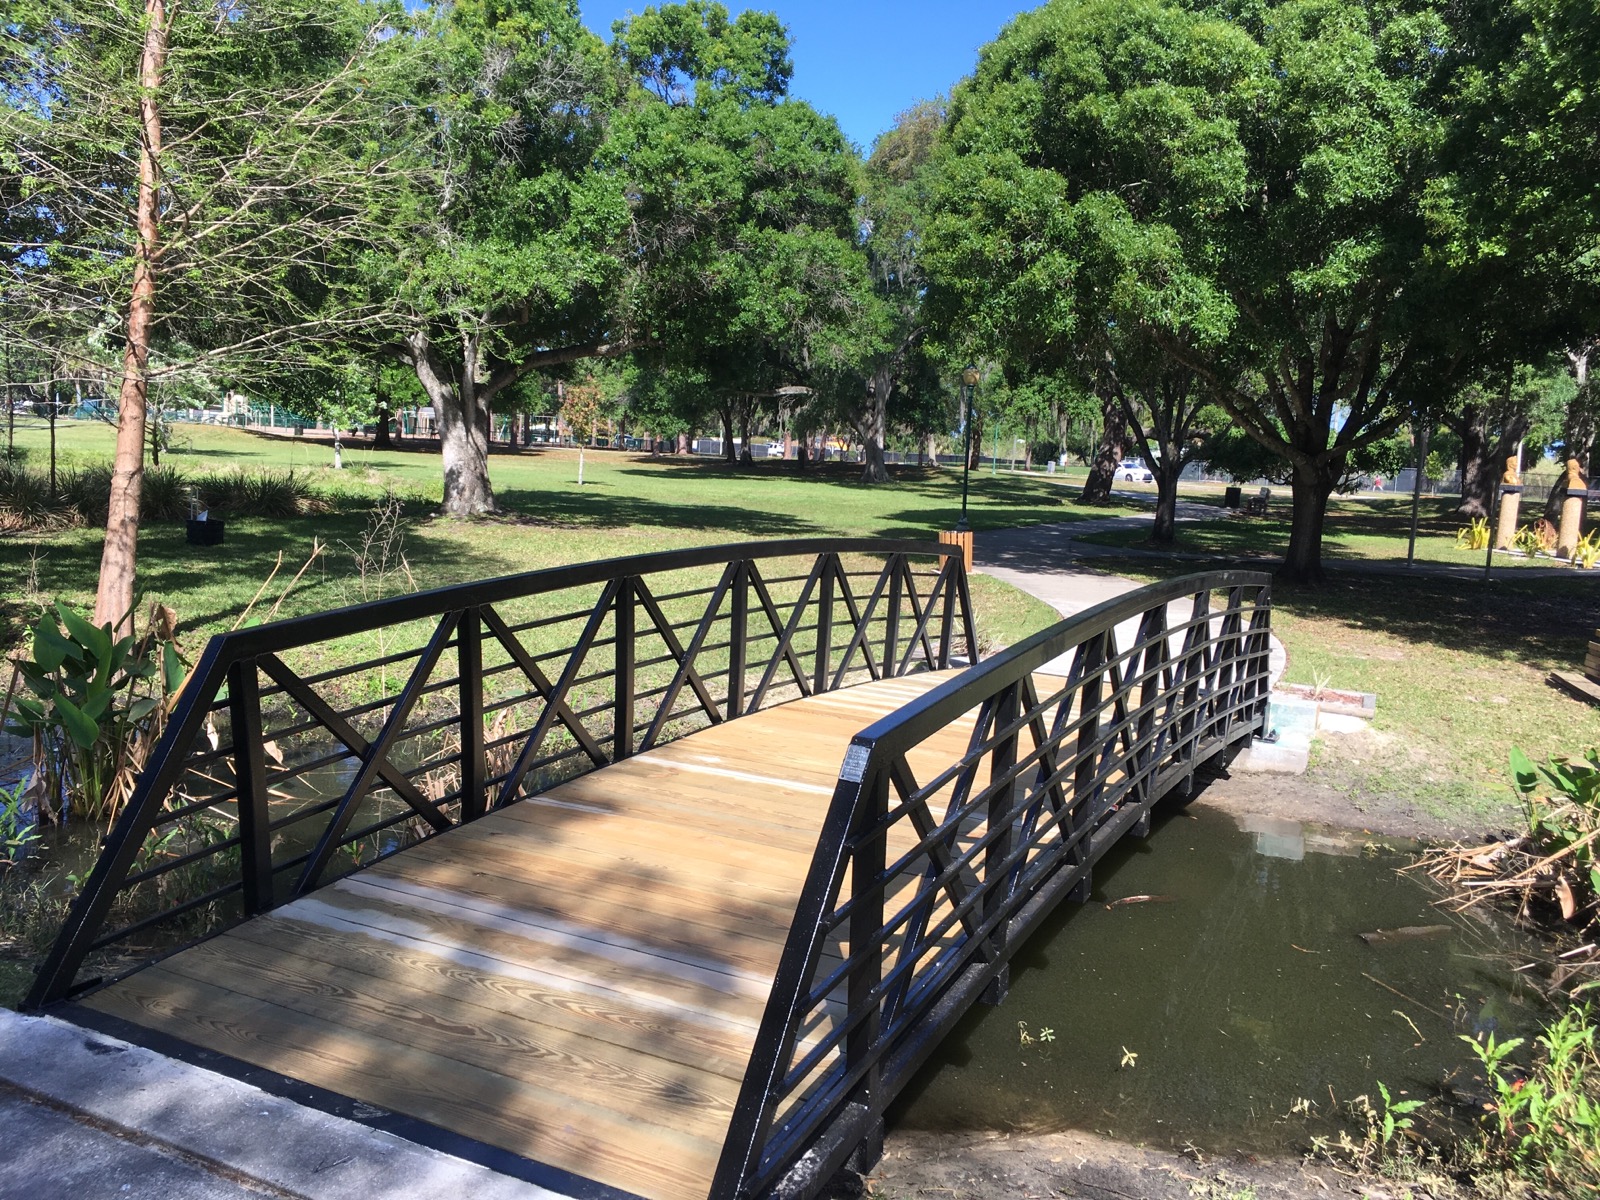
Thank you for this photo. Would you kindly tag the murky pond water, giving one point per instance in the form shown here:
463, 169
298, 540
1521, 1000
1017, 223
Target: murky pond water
1211, 1013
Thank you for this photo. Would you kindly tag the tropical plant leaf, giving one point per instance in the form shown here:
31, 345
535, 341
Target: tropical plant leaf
171, 669
95, 704
50, 649
96, 640
1523, 771
80, 728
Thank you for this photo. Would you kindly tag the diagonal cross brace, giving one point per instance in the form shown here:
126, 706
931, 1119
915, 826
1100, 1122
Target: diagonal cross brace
785, 633
377, 756
922, 617
541, 682
558, 699
686, 672
324, 714
860, 621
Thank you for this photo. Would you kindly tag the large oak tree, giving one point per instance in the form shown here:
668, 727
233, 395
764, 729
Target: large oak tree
1248, 185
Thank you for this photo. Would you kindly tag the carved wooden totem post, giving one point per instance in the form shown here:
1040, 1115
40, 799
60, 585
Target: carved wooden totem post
1572, 511
1510, 502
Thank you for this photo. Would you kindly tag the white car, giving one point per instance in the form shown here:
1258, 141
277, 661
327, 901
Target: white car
1134, 471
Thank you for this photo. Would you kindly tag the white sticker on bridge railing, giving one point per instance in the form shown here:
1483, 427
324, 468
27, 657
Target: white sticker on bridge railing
855, 764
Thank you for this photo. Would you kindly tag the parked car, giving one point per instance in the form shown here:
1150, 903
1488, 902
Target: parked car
1134, 471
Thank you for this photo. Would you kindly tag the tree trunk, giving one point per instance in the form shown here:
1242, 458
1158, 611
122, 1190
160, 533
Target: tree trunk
727, 434
933, 451
113, 602
1478, 474
1577, 433
746, 415
875, 427
460, 413
380, 436
1166, 472
1311, 488
54, 410
1103, 471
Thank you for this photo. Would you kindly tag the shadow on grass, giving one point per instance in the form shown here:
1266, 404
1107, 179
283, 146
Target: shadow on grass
217, 582
592, 508
1543, 623
1349, 523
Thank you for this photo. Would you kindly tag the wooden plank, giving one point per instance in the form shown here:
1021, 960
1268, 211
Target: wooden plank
580, 871
683, 800
706, 837
658, 947
650, 859
585, 1069
1579, 686
629, 1154
693, 1043
753, 945
636, 979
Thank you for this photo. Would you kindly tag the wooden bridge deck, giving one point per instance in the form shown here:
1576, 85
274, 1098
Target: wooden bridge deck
577, 978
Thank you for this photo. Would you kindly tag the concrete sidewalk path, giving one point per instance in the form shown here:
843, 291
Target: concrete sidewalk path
88, 1116
1047, 562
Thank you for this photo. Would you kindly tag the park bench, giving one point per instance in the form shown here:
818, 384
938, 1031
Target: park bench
1256, 506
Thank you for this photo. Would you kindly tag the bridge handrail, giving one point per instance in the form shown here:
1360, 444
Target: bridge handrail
1124, 728
631, 629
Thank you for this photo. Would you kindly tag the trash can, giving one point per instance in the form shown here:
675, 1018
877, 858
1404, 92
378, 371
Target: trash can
207, 532
1233, 497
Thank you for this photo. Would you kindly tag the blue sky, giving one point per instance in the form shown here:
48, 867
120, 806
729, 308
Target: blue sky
868, 60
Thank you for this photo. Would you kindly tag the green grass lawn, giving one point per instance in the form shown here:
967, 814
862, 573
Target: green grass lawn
1370, 528
628, 504
1460, 669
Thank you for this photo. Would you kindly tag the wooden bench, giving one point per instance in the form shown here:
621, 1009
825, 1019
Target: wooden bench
1587, 685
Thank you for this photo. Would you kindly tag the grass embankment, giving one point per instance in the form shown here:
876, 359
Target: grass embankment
1368, 528
628, 504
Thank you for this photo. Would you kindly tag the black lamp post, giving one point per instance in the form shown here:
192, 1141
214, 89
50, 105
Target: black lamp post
969, 380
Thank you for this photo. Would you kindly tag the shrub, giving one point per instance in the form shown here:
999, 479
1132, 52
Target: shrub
93, 707
1474, 535
86, 492
1544, 1125
165, 495
240, 493
27, 501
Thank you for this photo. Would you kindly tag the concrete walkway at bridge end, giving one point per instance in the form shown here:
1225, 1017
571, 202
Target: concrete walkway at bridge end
1048, 562
89, 1115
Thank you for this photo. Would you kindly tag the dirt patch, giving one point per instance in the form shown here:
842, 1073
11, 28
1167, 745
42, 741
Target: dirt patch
1296, 798
988, 1166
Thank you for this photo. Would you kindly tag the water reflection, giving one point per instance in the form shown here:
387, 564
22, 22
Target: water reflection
1233, 990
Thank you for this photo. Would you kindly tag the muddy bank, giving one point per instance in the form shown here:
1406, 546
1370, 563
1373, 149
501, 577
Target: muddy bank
984, 1166
1296, 798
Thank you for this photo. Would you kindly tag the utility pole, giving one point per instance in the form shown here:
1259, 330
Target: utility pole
11, 410
1422, 429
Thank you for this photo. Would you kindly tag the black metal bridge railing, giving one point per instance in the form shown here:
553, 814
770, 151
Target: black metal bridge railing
296, 755
958, 823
